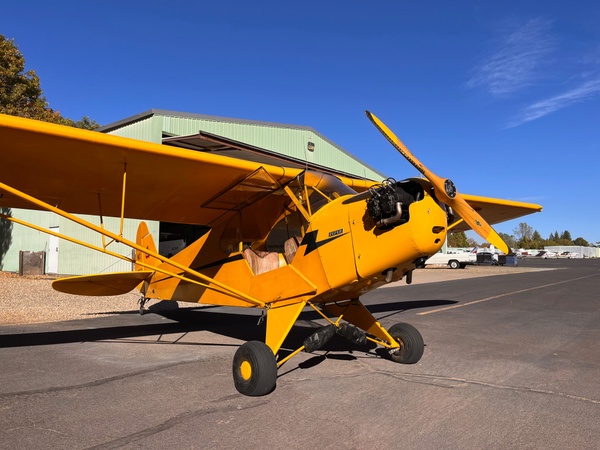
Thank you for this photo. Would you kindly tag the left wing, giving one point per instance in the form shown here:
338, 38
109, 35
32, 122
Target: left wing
85, 172
495, 210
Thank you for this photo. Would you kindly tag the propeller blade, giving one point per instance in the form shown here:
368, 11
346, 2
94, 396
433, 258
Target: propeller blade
404, 151
444, 189
477, 223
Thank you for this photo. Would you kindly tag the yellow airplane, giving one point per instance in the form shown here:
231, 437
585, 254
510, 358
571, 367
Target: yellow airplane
280, 238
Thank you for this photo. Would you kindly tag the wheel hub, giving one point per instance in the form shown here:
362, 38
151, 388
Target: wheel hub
246, 370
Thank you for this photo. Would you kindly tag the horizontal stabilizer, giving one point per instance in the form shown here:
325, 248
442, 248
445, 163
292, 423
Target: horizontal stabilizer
101, 284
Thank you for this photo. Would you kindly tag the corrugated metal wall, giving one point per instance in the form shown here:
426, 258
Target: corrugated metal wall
148, 128
27, 239
582, 252
73, 259
287, 140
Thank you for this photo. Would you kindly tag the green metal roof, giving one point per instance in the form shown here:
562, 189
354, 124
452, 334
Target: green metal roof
289, 140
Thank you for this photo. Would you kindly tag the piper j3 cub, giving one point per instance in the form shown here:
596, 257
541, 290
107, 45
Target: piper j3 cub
280, 239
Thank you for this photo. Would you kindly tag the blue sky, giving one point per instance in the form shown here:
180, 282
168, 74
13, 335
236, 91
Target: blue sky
501, 97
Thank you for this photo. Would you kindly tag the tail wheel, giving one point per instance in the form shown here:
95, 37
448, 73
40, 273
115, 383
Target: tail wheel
411, 343
254, 369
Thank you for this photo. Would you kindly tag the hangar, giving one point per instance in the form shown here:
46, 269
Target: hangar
264, 142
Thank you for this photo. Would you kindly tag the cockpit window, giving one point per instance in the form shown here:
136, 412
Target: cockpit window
323, 188
311, 190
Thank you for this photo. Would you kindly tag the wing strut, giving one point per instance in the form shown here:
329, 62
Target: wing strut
115, 238
122, 218
110, 253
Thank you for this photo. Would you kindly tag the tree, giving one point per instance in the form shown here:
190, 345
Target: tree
458, 240
566, 236
472, 242
581, 242
5, 233
522, 235
523, 231
20, 91
509, 239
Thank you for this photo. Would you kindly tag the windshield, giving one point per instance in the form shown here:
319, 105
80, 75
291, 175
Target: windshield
323, 188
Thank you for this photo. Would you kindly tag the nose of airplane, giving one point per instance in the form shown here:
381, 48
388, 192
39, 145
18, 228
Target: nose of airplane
429, 229
445, 190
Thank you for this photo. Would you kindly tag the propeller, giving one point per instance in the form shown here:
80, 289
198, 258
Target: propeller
445, 190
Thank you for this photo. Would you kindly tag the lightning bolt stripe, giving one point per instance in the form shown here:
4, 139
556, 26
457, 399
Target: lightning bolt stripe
310, 240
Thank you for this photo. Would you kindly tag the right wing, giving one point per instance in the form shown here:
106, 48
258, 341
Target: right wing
496, 210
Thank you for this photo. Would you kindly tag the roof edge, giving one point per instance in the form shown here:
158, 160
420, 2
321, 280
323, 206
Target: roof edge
165, 112
119, 123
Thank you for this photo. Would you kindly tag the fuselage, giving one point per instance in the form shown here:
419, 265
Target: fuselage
340, 251
358, 256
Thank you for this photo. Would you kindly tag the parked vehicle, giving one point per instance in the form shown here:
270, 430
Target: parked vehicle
485, 256
453, 260
522, 253
546, 254
568, 255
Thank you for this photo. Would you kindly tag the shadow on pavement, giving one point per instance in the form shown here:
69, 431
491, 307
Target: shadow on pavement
217, 320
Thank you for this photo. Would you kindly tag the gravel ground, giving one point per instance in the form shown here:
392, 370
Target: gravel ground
32, 300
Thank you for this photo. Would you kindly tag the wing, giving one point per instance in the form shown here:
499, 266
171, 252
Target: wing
103, 284
82, 172
495, 210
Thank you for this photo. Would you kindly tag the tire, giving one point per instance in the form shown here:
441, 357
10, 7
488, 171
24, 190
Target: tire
411, 343
454, 264
254, 369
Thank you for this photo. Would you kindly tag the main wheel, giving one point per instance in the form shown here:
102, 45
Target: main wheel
254, 369
411, 343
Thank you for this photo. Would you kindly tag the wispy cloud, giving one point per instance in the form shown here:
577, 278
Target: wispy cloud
518, 61
533, 198
583, 92
527, 55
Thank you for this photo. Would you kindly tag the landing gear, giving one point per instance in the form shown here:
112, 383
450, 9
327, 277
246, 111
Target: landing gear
255, 365
411, 343
142, 302
254, 369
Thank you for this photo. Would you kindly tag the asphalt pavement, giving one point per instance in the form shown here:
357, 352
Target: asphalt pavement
511, 361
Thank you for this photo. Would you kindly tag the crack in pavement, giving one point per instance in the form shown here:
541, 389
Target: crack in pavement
95, 382
435, 380
408, 376
172, 422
